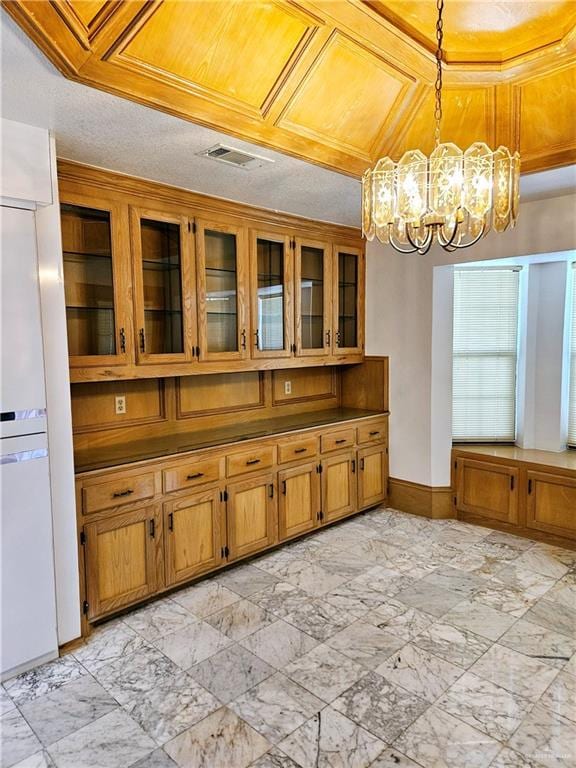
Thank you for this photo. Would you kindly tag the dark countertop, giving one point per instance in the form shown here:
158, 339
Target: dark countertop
105, 457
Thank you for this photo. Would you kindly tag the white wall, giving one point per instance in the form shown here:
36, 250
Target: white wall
402, 322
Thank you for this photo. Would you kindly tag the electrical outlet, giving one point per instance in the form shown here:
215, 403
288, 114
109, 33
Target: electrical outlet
120, 404
287, 387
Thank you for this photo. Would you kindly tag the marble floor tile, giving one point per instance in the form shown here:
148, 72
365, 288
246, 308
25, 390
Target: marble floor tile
279, 643
565, 556
509, 758
310, 577
281, 598
454, 644
515, 672
462, 583
18, 740
504, 598
276, 707
439, 740
158, 619
503, 552
68, 708
240, 619
516, 542
274, 562
379, 706
320, 619
231, 672
558, 618
376, 551
479, 563
192, 644
274, 759
540, 643
6, 703
205, 598
485, 706
107, 643
401, 538
546, 736
420, 672
38, 760
173, 705
246, 579
429, 598
391, 758
397, 619
385, 580
44, 679
560, 697
564, 591
340, 562
221, 740
325, 672
535, 585
480, 619
544, 561
127, 678
365, 643
156, 759
330, 740
112, 741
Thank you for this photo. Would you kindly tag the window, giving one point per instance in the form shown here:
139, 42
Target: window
572, 398
485, 354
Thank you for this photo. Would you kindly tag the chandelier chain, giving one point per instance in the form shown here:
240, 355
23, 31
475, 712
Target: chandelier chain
438, 83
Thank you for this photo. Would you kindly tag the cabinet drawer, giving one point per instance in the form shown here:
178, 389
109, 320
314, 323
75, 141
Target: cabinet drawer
375, 432
292, 450
190, 475
123, 490
333, 441
249, 461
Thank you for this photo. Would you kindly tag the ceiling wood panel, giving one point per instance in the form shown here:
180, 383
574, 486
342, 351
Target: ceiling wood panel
336, 82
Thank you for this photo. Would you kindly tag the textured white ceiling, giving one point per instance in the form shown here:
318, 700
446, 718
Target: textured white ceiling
104, 130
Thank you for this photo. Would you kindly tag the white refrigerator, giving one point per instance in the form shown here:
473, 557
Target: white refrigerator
27, 589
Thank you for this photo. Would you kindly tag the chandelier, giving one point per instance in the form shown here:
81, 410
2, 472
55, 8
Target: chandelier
451, 197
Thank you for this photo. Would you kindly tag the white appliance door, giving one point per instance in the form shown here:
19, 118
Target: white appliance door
27, 565
22, 363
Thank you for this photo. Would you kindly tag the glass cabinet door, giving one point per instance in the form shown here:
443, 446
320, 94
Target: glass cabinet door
271, 295
313, 298
349, 307
221, 291
162, 283
98, 332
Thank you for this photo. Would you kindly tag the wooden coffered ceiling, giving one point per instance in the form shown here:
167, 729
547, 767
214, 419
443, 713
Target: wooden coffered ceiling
336, 82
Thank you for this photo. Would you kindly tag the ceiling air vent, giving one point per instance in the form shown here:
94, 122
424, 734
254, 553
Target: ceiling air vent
236, 157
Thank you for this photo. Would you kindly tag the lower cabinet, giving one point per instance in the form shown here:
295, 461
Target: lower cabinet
339, 486
551, 503
251, 516
372, 476
120, 553
488, 490
194, 535
299, 503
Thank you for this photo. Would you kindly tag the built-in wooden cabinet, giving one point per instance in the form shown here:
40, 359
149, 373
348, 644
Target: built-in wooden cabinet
487, 489
348, 299
194, 535
551, 503
372, 475
299, 501
313, 297
251, 514
339, 492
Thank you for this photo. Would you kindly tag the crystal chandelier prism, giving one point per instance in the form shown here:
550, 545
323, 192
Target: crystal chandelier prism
452, 197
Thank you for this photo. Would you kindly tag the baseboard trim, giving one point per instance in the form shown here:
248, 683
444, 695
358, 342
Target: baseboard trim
71, 645
424, 500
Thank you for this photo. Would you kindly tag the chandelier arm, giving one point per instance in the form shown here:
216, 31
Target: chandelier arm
424, 247
447, 242
475, 240
397, 247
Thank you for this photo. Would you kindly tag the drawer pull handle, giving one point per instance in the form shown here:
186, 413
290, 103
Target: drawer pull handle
195, 476
171, 521
300, 450
118, 494
253, 461
374, 433
362, 465
271, 490
353, 466
152, 528
284, 487
340, 441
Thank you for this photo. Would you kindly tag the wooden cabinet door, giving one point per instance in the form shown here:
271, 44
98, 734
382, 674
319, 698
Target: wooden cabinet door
299, 505
193, 535
372, 476
252, 518
551, 503
271, 290
348, 300
97, 281
163, 286
488, 490
222, 279
338, 486
313, 298
120, 553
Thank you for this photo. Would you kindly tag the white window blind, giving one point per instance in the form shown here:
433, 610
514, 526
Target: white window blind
572, 401
485, 354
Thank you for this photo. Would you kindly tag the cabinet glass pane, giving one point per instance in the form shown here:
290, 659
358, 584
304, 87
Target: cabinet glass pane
221, 292
88, 280
270, 295
348, 299
162, 282
312, 297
